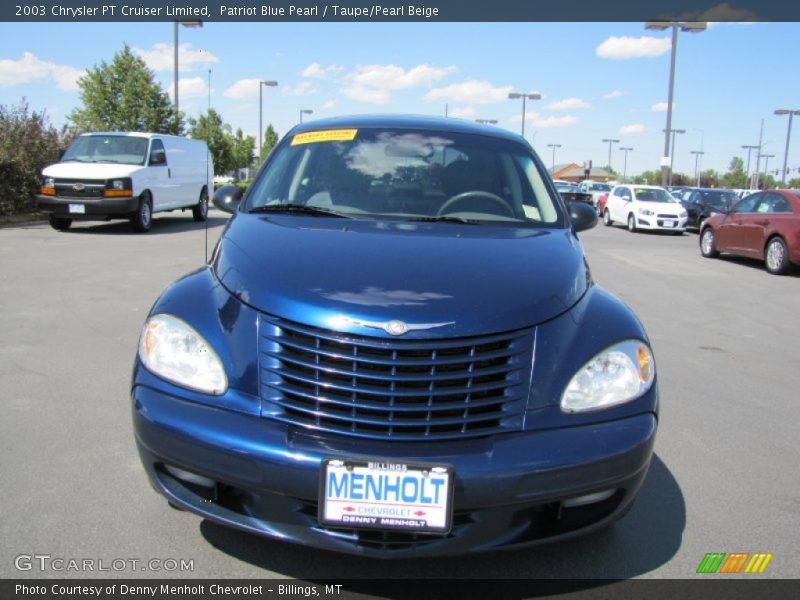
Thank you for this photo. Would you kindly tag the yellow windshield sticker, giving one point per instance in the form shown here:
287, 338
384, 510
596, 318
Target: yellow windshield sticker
327, 135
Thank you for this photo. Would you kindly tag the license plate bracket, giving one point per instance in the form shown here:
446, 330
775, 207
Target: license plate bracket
386, 495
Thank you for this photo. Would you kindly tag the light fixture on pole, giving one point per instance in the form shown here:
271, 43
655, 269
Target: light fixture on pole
530, 96
747, 172
261, 84
305, 111
697, 154
672, 154
675, 25
791, 113
609, 141
625, 163
553, 146
487, 121
175, 43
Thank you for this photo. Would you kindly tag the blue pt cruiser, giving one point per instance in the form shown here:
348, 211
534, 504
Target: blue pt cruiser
397, 350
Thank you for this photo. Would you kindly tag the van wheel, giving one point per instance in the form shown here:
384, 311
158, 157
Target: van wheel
142, 219
59, 224
200, 210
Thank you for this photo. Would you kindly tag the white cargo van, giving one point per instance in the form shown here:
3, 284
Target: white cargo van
121, 175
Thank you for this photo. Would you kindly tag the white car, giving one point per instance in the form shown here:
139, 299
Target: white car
595, 188
645, 207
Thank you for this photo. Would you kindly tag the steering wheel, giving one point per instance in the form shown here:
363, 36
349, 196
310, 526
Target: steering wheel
493, 199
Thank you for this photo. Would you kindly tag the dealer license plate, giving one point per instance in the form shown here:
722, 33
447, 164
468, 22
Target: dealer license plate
384, 495
669, 223
77, 209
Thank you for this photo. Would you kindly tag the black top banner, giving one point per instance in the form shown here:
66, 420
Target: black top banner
400, 10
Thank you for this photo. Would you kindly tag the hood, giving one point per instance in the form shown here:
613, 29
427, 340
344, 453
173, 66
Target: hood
78, 170
666, 208
339, 273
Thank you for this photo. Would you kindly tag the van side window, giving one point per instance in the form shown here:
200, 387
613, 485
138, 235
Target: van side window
157, 154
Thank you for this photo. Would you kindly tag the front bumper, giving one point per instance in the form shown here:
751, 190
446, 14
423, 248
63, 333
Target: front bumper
95, 208
509, 488
656, 223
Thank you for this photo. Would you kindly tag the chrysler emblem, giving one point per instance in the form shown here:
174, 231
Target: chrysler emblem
78, 187
395, 327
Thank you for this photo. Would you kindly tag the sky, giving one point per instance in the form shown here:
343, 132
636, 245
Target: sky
597, 80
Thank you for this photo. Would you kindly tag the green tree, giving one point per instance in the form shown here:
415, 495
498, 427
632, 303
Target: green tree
28, 143
124, 96
709, 178
793, 183
212, 129
735, 177
270, 139
242, 150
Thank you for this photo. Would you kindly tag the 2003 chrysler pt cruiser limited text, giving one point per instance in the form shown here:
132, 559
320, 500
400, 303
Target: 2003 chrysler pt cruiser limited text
397, 350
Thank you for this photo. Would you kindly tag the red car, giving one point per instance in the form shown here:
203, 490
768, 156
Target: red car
765, 225
601, 203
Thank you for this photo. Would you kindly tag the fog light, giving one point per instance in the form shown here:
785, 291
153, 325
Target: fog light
188, 477
588, 499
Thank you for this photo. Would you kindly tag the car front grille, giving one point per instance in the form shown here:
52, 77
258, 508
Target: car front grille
80, 188
402, 390
668, 217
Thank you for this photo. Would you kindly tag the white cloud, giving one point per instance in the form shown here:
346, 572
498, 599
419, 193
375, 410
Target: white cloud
661, 106
162, 57
244, 88
632, 129
613, 94
303, 88
567, 104
630, 47
472, 91
190, 87
370, 95
30, 68
317, 71
392, 77
329, 105
463, 112
537, 120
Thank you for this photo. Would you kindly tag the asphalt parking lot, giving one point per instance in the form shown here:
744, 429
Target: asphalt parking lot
723, 479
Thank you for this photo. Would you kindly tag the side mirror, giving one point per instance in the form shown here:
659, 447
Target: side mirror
227, 198
582, 215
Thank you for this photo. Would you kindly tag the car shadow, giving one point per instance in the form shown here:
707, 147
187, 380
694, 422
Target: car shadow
162, 225
648, 537
756, 265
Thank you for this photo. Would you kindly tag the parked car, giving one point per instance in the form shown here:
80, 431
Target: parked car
701, 203
120, 175
764, 226
569, 192
644, 207
397, 350
595, 188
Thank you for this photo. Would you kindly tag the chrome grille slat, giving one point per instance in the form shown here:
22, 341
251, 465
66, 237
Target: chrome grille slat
396, 389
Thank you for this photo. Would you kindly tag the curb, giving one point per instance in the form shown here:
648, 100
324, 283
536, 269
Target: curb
23, 219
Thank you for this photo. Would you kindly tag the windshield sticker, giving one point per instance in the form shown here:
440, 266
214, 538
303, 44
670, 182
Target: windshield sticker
328, 135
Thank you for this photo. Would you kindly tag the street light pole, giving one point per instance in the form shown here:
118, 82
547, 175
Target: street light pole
748, 148
530, 96
261, 84
754, 181
766, 166
672, 155
305, 111
553, 146
625, 164
791, 113
661, 26
175, 43
610, 141
697, 154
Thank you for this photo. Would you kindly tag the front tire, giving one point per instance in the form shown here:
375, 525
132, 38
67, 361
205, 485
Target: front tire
607, 218
631, 223
776, 258
708, 243
59, 224
142, 219
200, 210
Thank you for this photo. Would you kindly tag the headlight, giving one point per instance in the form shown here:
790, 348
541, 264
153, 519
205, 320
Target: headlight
682, 214
118, 187
117, 184
49, 182
619, 374
174, 351
645, 211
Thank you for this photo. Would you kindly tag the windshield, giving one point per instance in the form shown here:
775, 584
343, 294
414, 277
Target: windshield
599, 187
718, 198
653, 195
407, 175
123, 149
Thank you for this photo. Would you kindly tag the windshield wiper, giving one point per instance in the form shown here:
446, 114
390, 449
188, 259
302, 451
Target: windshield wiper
299, 209
75, 160
444, 219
